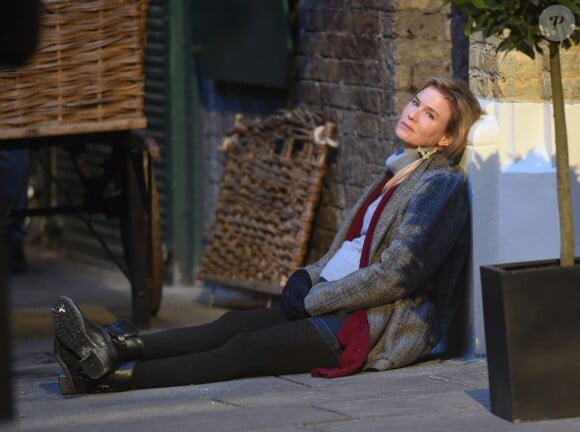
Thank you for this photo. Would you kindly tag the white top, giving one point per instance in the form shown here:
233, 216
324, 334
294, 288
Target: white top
347, 258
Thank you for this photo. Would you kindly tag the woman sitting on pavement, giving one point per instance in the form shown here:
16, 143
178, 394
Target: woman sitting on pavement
373, 302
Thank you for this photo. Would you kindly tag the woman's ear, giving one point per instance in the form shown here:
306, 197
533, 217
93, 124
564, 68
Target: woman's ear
445, 141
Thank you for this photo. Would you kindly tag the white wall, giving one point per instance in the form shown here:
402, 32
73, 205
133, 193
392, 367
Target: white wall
511, 173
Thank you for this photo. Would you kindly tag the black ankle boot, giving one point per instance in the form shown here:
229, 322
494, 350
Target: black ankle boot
100, 350
73, 380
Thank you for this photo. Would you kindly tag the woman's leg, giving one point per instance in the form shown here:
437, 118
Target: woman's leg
100, 350
291, 347
187, 340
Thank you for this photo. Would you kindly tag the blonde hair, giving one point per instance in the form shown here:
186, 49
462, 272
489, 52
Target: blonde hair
465, 111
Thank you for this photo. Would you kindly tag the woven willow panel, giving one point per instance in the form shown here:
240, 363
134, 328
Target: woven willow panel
86, 76
269, 191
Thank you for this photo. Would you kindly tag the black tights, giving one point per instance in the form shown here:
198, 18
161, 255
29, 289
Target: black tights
239, 344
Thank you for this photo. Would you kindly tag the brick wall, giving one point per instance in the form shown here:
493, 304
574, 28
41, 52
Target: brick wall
358, 62
514, 77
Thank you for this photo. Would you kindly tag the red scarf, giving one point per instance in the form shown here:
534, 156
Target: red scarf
355, 333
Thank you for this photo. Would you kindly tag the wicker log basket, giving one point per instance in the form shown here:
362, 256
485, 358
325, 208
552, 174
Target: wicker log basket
86, 76
269, 191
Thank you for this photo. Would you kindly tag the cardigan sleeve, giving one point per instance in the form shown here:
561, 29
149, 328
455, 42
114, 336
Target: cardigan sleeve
428, 229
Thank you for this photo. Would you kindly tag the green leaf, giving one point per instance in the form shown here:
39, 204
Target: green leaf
573, 5
469, 26
496, 5
526, 49
480, 3
506, 45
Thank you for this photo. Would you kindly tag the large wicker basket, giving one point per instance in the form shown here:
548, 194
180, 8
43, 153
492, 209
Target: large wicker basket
86, 76
269, 192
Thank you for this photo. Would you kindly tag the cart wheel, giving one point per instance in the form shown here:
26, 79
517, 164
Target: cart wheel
156, 252
145, 176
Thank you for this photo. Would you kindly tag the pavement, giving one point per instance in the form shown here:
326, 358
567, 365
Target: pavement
443, 395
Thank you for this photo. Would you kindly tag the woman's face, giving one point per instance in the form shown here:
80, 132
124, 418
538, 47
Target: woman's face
424, 120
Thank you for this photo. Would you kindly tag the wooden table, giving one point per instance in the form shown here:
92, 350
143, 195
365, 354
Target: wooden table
137, 207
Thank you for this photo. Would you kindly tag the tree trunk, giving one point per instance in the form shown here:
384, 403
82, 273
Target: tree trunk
562, 163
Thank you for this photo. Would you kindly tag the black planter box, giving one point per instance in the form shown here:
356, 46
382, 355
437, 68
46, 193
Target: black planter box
532, 331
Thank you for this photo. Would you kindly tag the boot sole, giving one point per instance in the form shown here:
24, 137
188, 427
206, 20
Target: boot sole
70, 330
66, 381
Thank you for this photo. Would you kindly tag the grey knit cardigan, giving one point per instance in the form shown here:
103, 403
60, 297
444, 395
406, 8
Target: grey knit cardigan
416, 262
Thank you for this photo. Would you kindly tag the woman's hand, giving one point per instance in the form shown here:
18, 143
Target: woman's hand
293, 294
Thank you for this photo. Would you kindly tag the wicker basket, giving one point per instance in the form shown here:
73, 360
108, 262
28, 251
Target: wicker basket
269, 191
86, 76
